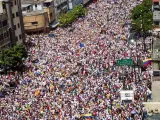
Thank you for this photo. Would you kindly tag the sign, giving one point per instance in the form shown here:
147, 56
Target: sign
1, 7
123, 62
127, 95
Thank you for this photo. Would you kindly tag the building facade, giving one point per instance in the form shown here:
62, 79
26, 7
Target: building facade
60, 6
15, 28
15, 21
4, 27
37, 15
156, 13
73, 3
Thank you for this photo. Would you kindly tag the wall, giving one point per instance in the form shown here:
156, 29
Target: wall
50, 10
16, 22
42, 20
85, 1
152, 106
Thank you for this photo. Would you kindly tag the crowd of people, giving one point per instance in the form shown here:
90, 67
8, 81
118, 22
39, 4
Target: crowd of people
74, 74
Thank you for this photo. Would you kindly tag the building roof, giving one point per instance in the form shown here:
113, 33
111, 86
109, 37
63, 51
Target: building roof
37, 12
31, 1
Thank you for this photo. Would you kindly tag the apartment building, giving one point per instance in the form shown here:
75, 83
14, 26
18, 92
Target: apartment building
4, 27
156, 13
60, 6
36, 16
13, 12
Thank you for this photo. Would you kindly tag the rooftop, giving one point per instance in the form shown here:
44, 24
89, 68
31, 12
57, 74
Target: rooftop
34, 1
37, 12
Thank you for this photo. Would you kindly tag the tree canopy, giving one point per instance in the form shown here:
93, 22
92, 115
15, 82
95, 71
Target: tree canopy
13, 56
142, 17
69, 17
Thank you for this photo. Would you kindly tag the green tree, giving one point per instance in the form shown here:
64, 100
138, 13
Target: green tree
69, 17
13, 56
142, 17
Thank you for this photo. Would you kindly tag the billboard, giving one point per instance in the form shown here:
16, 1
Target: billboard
1, 7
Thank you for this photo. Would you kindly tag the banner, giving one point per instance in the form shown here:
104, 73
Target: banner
127, 95
1, 7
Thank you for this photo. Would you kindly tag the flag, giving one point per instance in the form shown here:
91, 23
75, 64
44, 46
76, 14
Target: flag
81, 45
147, 62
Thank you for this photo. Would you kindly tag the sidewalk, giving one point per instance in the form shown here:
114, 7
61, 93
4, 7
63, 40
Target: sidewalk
156, 91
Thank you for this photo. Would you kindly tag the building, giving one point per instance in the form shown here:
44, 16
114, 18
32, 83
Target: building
156, 13
86, 1
38, 15
13, 12
60, 6
73, 3
4, 27
156, 40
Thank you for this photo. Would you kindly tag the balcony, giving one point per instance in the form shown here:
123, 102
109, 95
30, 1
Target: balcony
3, 16
4, 41
4, 28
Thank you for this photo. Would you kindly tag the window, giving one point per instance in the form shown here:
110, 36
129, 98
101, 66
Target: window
11, 4
50, 14
15, 27
13, 15
156, 22
15, 2
17, 14
18, 25
16, 38
4, 6
1, 24
20, 36
34, 23
4, 23
5, 35
2, 36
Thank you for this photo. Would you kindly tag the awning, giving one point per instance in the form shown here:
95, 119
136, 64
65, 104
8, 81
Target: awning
48, 1
25, 5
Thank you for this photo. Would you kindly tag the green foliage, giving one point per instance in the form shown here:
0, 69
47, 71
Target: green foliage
71, 16
13, 56
142, 14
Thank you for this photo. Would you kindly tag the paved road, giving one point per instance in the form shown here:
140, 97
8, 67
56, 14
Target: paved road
156, 91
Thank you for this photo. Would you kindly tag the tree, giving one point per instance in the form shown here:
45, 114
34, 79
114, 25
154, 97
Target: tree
142, 19
13, 56
69, 17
